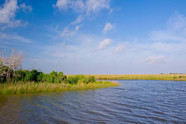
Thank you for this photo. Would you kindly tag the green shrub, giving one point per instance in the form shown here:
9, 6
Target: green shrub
3, 70
35, 76
91, 79
73, 80
81, 78
28, 77
19, 75
40, 77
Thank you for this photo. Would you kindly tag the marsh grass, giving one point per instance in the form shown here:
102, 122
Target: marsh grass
174, 77
32, 87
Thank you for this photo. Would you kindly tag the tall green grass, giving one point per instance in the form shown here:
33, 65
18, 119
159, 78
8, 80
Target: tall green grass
32, 87
174, 77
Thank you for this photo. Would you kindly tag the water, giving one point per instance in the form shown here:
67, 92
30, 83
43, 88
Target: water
135, 101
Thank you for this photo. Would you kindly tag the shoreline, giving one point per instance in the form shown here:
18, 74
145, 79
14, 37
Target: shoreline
32, 87
168, 77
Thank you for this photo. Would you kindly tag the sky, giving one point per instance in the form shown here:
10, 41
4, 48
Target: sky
96, 36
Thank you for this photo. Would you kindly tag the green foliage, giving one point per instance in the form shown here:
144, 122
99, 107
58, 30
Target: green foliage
3, 71
53, 77
34, 75
40, 76
81, 78
73, 80
91, 79
28, 77
20, 75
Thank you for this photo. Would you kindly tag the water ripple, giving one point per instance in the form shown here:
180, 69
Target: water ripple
135, 101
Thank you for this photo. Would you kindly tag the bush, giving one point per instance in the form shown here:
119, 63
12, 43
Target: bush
3, 70
81, 78
91, 79
40, 77
28, 77
35, 76
73, 80
19, 75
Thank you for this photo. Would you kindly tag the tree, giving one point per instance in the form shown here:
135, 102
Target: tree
9, 65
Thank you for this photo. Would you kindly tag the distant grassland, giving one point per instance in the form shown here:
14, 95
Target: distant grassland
174, 77
33, 87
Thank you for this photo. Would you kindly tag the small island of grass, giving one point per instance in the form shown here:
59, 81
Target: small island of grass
14, 80
33, 81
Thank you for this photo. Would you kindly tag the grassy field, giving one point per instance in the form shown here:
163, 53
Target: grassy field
31, 87
174, 77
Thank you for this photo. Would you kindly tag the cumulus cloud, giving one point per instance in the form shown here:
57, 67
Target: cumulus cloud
7, 11
104, 43
108, 27
151, 56
83, 6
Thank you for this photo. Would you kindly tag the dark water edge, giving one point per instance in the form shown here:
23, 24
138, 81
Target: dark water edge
134, 101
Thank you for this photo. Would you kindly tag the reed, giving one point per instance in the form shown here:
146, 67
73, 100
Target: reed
173, 77
32, 87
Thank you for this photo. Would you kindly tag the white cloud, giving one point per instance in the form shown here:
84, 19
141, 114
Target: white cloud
108, 27
25, 8
62, 4
78, 20
166, 36
68, 33
77, 28
83, 6
78, 5
97, 5
177, 22
2, 36
70, 4
154, 59
147, 55
21, 39
104, 43
119, 48
167, 47
13, 37
7, 12
175, 31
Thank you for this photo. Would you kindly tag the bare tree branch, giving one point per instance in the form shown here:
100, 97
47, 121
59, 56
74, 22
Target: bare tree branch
12, 63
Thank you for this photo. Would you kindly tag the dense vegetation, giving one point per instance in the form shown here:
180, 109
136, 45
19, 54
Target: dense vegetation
11, 72
24, 81
36, 76
14, 80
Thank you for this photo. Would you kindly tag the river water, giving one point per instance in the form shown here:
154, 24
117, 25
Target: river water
134, 101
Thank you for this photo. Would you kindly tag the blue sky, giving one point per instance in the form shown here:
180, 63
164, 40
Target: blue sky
96, 36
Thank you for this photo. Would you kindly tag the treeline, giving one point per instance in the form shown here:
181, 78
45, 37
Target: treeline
37, 76
11, 72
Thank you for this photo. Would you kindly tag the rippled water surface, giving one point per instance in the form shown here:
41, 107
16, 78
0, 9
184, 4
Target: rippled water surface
135, 101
